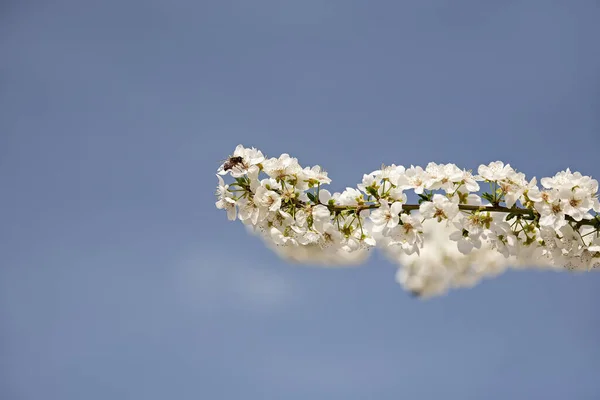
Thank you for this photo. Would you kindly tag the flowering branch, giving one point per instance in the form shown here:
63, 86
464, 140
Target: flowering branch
453, 237
524, 213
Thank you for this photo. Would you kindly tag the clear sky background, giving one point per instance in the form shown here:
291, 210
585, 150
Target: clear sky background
120, 280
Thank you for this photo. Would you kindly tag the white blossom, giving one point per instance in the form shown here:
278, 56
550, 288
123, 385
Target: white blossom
282, 167
251, 158
442, 176
225, 201
321, 216
495, 171
371, 180
350, 197
315, 175
386, 216
469, 181
440, 208
413, 178
250, 213
552, 213
268, 199
576, 202
407, 235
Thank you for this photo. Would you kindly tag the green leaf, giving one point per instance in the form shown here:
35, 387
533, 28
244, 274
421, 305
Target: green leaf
312, 197
372, 191
489, 197
510, 216
425, 197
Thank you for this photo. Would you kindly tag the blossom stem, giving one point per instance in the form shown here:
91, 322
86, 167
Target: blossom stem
524, 213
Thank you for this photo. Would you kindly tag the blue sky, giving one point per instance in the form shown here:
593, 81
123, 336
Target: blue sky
120, 280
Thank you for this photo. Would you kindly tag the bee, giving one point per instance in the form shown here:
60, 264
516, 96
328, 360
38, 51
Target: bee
232, 162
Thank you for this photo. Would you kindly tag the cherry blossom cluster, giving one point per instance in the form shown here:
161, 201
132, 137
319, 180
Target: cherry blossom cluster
454, 235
